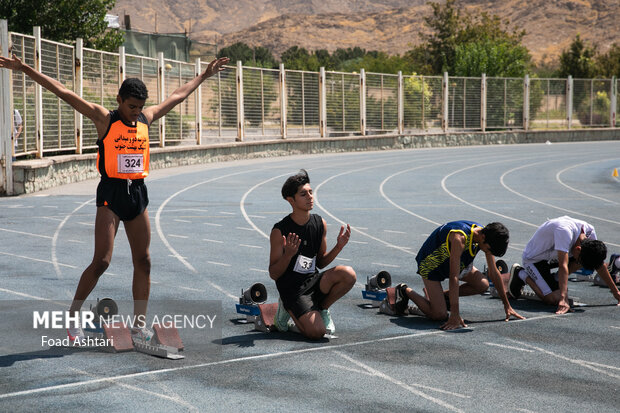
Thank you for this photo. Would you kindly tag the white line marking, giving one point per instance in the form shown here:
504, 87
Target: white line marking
385, 265
357, 242
178, 236
509, 347
557, 178
193, 289
250, 246
39, 260
183, 221
400, 383
227, 213
259, 270
26, 233
213, 240
247, 358
257, 216
219, 263
32, 297
391, 231
245, 228
211, 224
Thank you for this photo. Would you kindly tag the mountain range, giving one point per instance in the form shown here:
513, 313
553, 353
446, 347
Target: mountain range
392, 26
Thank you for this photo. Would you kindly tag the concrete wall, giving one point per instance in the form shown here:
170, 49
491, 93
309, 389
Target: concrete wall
34, 175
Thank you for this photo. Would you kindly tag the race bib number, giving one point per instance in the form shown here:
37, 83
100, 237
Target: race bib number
305, 265
130, 163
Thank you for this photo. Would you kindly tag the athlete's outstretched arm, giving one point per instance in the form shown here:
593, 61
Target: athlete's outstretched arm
155, 112
98, 114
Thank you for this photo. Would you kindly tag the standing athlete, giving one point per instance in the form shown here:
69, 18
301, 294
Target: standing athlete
123, 162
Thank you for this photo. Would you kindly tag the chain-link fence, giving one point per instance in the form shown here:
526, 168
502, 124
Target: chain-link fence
249, 104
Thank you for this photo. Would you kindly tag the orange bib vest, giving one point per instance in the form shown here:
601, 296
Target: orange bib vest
124, 150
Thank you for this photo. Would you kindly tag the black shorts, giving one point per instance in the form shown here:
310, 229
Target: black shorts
308, 297
125, 198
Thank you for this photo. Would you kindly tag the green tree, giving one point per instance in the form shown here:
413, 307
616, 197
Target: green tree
452, 29
608, 64
298, 58
250, 56
578, 60
64, 20
497, 58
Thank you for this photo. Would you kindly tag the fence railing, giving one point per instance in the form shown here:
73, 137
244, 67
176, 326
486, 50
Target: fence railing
246, 103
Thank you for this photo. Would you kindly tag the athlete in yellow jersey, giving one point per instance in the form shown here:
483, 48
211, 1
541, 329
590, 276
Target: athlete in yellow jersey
123, 161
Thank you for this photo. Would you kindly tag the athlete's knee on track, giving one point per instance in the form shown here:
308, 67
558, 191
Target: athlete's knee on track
143, 263
100, 265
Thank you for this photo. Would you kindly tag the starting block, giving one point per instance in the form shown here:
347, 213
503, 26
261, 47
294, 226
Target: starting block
165, 343
252, 305
376, 288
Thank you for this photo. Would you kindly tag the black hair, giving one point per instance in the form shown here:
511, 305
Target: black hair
134, 88
293, 183
497, 236
593, 253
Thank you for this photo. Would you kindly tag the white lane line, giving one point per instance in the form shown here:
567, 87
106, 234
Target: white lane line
163, 238
227, 213
212, 224
510, 347
557, 178
182, 221
247, 193
250, 246
26, 233
399, 383
32, 297
385, 265
76, 241
247, 358
615, 327
142, 390
245, 228
479, 165
55, 263
192, 289
572, 360
219, 263
178, 236
391, 231
357, 242
213, 240
570, 211
259, 270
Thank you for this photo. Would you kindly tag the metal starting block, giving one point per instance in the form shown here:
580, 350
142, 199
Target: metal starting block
376, 289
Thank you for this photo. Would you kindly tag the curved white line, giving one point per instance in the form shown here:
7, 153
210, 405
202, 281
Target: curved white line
557, 177
570, 211
161, 235
57, 232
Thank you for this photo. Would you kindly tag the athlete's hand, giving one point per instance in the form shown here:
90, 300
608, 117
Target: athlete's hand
216, 66
563, 306
343, 236
510, 312
454, 321
12, 63
291, 244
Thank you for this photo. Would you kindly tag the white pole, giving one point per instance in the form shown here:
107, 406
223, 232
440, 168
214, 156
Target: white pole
38, 94
198, 104
283, 114
6, 115
161, 96
78, 86
240, 112
363, 101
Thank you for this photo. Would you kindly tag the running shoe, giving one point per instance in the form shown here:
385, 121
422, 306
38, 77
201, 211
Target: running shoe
515, 283
400, 303
76, 333
327, 320
141, 334
282, 317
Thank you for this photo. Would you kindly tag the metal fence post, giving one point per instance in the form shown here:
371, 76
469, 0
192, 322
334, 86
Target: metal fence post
444, 104
283, 114
161, 96
483, 102
78, 86
569, 101
401, 104
198, 103
38, 93
363, 101
322, 104
614, 102
121, 65
526, 102
6, 115
240, 112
